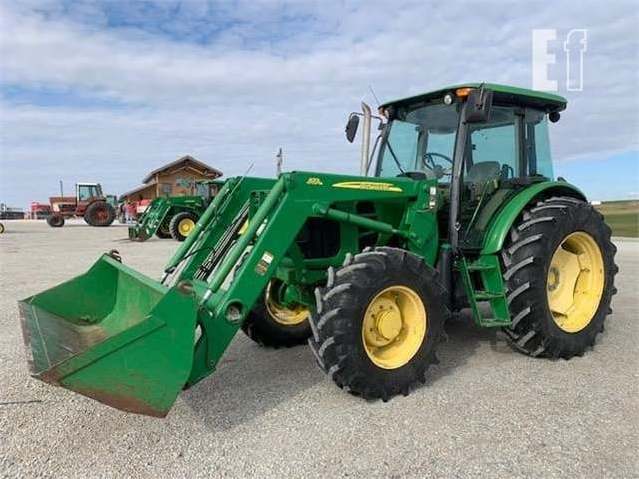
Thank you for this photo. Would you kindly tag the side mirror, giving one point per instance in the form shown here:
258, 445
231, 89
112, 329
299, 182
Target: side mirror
351, 127
478, 105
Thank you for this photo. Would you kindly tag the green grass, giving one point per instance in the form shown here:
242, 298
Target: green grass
622, 216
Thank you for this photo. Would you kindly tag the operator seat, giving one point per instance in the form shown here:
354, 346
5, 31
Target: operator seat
481, 173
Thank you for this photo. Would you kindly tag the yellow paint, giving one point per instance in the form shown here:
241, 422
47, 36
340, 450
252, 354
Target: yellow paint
283, 315
575, 282
185, 226
314, 181
243, 228
394, 327
368, 185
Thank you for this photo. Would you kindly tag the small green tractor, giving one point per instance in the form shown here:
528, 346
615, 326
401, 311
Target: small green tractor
174, 216
455, 207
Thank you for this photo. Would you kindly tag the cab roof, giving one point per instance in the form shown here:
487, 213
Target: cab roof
502, 94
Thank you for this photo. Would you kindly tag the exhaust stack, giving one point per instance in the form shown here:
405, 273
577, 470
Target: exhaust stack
366, 139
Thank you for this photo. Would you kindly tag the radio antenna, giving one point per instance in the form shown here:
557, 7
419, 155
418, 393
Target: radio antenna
370, 87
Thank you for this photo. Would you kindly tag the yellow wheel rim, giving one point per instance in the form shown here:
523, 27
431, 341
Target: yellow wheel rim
394, 327
575, 282
281, 314
185, 226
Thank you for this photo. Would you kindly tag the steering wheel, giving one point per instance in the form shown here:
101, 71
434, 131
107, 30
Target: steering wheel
429, 162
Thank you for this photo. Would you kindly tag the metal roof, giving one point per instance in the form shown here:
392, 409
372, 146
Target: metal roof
215, 173
136, 190
509, 94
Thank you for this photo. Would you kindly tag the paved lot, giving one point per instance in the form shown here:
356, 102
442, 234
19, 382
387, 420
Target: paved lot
487, 411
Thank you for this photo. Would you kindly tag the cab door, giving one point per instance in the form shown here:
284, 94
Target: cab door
494, 158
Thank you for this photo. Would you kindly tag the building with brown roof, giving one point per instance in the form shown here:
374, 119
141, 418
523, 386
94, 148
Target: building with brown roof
173, 179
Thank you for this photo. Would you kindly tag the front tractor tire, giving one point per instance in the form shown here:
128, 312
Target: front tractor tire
559, 270
99, 213
55, 221
273, 325
163, 231
181, 225
377, 323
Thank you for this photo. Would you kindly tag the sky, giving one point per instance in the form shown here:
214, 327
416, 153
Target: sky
107, 91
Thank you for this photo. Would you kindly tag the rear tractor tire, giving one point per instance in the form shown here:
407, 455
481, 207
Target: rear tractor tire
99, 213
559, 270
273, 325
55, 221
181, 225
378, 322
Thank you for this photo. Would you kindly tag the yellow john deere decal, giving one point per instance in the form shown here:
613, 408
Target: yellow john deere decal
368, 185
314, 181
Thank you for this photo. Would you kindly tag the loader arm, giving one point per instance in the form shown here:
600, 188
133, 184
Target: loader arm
160, 211
131, 342
237, 280
152, 218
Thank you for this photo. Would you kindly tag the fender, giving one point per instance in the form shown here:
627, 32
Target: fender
503, 221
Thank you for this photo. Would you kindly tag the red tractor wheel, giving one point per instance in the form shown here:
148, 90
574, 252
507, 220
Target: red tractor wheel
99, 213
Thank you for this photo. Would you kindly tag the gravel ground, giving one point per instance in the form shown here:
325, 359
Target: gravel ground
486, 411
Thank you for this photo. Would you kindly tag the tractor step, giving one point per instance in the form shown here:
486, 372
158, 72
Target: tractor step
487, 296
488, 270
494, 323
480, 267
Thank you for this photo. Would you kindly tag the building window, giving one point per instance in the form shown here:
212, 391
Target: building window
166, 189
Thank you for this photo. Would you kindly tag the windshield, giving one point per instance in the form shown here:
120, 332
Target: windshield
420, 140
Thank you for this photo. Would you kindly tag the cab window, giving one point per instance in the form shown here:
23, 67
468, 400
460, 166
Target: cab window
493, 148
420, 140
86, 192
537, 144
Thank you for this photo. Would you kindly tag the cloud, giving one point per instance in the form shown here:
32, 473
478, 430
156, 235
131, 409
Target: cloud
230, 83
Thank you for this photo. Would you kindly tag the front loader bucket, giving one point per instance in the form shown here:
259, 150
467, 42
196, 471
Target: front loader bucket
138, 233
114, 335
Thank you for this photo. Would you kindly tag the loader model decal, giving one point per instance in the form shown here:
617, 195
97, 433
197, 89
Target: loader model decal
368, 185
314, 181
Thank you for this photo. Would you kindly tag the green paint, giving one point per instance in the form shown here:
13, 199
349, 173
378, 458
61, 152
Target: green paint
161, 210
114, 335
505, 218
134, 343
492, 289
551, 101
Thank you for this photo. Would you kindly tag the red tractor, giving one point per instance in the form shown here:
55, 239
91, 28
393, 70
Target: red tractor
88, 202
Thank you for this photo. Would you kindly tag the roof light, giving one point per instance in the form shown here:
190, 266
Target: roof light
463, 92
448, 99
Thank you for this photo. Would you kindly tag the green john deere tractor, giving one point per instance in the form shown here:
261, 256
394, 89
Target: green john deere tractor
174, 216
456, 207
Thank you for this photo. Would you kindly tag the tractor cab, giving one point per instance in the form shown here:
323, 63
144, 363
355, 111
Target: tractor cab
85, 192
207, 189
482, 143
